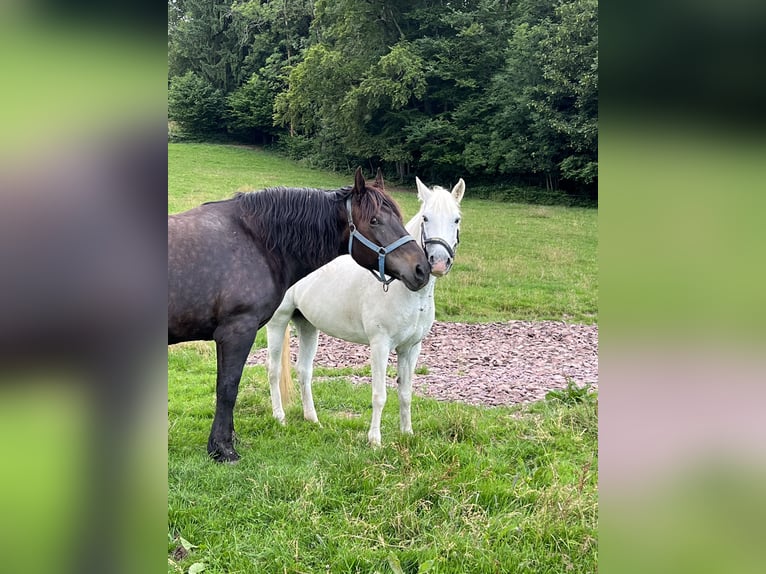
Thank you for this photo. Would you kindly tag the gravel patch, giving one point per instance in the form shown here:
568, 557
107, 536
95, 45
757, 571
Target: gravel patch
483, 364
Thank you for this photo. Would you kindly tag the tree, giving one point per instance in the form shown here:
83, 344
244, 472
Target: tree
569, 54
542, 109
195, 104
205, 40
464, 49
342, 93
491, 89
249, 111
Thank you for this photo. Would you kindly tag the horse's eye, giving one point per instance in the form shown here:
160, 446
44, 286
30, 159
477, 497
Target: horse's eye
425, 219
457, 220
374, 221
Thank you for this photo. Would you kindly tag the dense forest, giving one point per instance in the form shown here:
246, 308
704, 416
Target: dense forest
495, 90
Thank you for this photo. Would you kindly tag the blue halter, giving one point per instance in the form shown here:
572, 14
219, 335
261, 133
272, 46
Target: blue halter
381, 251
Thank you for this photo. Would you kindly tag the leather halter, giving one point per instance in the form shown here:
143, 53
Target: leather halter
381, 251
438, 240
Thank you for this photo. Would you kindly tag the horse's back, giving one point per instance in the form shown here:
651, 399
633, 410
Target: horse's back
345, 301
216, 273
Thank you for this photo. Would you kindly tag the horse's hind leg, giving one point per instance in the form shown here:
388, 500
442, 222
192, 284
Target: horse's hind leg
308, 339
275, 331
406, 359
233, 344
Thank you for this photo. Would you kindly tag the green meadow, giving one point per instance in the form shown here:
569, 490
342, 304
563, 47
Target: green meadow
509, 489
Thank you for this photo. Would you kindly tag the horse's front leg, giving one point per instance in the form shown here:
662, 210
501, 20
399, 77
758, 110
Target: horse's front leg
233, 344
406, 358
308, 339
379, 352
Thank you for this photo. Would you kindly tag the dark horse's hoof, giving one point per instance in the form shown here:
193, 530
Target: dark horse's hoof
223, 454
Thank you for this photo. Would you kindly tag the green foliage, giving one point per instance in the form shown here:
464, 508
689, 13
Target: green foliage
543, 108
495, 90
249, 111
374, 130
204, 38
571, 395
297, 147
394, 79
436, 142
569, 54
531, 195
195, 104
317, 86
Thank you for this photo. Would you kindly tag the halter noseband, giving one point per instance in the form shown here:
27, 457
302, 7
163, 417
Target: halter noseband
439, 241
381, 251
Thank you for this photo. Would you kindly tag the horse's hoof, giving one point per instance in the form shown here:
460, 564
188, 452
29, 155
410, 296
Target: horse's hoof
228, 455
280, 418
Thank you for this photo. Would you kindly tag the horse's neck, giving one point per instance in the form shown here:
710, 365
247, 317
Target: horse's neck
414, 225
304, 243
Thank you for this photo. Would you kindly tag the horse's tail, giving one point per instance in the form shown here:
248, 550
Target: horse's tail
286, 388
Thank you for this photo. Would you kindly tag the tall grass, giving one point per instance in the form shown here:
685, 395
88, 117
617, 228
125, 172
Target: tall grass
474, 490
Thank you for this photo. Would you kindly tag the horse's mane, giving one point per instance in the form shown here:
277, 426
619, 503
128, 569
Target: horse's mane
441, 199
304, 221
298, 221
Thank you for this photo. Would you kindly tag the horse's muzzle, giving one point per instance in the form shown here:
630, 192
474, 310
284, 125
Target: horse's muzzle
440, 267
417, 278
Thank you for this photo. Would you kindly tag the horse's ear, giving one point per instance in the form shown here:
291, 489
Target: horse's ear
423, 192
458, 190
359, 184
379, 179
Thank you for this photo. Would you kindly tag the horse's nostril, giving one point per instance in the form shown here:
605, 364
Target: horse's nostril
419, 272
431, 259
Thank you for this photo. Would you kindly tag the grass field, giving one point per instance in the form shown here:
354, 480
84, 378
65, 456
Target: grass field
475, 490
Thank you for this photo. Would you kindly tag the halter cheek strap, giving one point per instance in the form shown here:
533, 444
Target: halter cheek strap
381, 251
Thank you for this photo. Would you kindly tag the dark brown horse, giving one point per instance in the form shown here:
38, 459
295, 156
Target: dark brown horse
230, 263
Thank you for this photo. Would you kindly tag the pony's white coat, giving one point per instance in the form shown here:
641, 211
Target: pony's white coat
345, 301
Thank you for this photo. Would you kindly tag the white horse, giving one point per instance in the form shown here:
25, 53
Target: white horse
348, 302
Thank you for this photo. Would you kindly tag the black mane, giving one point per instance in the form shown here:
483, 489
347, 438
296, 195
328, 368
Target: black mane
300, 221
304, 221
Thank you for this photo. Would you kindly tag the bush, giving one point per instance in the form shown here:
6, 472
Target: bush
249, 111
196, 105
296, 147
531, 195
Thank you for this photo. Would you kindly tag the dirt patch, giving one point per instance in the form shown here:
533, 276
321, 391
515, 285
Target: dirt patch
483, 364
